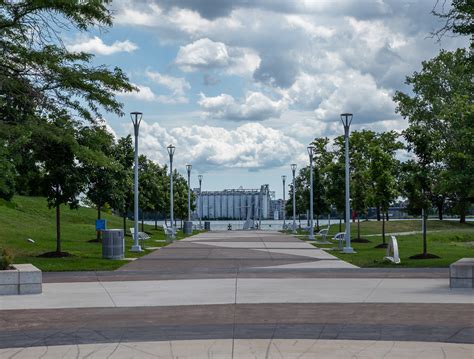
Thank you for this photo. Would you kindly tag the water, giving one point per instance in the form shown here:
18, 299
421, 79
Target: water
277, 225
267, 224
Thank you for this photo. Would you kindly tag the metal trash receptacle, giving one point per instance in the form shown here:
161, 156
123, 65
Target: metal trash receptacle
188, 227
113, 244
207, 226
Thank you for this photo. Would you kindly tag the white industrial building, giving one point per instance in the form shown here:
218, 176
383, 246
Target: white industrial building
234, 204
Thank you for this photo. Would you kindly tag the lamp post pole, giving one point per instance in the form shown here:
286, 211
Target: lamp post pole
346, 119
188, 168
283, 178
171, 150
136, 119
293, 169
200, 201
311, 227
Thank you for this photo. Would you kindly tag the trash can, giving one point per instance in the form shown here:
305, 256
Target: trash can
207, 226
113, 244
188, 227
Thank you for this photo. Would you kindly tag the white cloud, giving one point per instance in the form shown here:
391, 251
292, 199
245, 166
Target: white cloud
250, 146
177, 85
254, 107
95, 45
144, 93
205, 54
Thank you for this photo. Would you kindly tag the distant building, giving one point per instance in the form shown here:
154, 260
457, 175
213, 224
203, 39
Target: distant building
278, 206
234, 203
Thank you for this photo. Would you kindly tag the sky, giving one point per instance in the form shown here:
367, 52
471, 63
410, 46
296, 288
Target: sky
242, 87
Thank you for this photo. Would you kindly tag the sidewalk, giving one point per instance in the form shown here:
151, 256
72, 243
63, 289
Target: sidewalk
240, 294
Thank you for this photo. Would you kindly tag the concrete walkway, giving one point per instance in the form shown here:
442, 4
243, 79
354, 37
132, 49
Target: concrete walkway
240, 294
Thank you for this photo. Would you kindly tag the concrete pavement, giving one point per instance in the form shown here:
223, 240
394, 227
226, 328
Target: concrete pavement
241, 294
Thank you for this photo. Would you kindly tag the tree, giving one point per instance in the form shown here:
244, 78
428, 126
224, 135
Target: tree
321, 160
63, 175
459, 19
336, 179
103, 171
384, 188
360, 175
39, 74
7, 174
441, 123
149, 186
122, 195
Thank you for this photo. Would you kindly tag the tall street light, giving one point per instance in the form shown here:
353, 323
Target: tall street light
293, 169
346, 119
188, 168
136, 119
171, 150
311, 228
283, 178
200, 201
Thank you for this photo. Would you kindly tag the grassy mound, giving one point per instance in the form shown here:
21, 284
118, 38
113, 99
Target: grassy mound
28, 218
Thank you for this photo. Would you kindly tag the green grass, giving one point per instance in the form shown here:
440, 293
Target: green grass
393, 226
450, 240
29, 217
449, 245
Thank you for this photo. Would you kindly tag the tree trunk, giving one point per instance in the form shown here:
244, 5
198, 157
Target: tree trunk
462, 213
124, 216
98, 217
317, 222
378, 213
143, 224
358, 227
58, 229
156, 220
440, 211
340, 223
423, 230
383, 229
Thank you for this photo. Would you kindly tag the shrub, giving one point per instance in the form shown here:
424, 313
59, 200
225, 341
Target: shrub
6, 259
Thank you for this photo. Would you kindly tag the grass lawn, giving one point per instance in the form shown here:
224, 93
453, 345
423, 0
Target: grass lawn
394, 226
450, 240
448, 245
29, 217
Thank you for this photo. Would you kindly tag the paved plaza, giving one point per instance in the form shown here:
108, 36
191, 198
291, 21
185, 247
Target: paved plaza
243, 295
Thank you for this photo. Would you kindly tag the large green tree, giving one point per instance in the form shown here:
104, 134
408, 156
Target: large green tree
441, 123
38, 73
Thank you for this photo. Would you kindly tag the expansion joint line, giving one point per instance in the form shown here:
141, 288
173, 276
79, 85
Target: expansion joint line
235, 308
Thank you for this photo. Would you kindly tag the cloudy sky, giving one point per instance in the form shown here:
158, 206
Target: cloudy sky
241, 87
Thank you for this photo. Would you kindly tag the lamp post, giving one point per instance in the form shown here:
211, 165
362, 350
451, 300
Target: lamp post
171, 150
283, 178
293, 169
188, 168
200, 201
311, 228
136, 119
346, 119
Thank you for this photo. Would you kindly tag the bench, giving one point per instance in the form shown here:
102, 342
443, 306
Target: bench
169, 231
323, 233
142, 236
339, 237
461, 273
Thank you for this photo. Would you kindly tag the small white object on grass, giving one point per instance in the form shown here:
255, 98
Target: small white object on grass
30, 240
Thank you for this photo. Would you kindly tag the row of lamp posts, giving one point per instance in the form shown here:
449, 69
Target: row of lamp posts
346, 119
136, 120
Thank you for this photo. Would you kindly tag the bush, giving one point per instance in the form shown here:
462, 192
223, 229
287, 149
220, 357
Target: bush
6, 259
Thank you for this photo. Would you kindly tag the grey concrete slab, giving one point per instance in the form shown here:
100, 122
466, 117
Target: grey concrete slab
244, 290
250, 348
